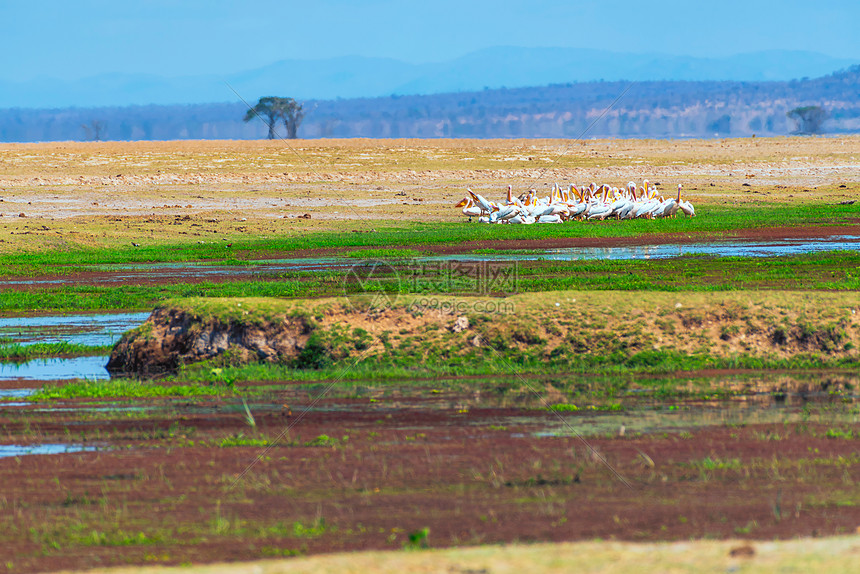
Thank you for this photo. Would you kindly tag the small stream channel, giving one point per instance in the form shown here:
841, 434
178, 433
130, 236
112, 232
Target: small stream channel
203, 270
774, 248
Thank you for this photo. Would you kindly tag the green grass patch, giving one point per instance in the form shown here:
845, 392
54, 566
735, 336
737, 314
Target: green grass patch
124, 388
563, 408
241, 440
840, 433
709, 463
404, 368
18, 352
92, 297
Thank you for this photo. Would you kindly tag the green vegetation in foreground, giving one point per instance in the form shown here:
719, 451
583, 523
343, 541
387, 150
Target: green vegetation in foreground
827, 271
17, 352
711, 220
124, 388
406, 367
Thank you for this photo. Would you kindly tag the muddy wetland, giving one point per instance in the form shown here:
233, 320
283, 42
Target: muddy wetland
210, 353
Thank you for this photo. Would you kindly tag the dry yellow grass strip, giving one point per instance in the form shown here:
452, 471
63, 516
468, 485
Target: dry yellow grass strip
803, 555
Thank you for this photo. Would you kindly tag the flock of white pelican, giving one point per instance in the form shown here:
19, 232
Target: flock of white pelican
590, 202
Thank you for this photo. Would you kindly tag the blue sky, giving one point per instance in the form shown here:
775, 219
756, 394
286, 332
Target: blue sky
72, 39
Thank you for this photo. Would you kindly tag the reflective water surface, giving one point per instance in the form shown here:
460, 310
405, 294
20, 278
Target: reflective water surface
56, 369
7, 450
101, 329
197, 270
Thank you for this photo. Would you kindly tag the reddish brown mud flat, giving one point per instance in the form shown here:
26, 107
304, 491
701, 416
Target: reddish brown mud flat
174, 481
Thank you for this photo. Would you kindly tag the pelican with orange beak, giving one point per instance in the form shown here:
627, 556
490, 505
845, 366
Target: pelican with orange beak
481, 202
469, 208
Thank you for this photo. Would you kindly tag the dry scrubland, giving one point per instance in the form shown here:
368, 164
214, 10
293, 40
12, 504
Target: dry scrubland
112, 192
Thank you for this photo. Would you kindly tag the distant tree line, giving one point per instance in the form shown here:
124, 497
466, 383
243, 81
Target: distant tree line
648, 109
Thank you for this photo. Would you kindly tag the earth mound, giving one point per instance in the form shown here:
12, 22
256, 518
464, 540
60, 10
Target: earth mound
563, 330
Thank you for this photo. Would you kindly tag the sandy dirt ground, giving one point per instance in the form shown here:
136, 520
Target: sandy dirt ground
829, 555
266, 185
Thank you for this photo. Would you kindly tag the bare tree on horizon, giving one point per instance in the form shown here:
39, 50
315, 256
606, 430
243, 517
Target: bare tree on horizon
267, 108
809, 119
292, 113
94, 130
273, 108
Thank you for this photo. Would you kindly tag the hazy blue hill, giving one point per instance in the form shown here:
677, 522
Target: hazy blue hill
515, 67
778, 65
651, 108
354, 77
347, 77
112, 90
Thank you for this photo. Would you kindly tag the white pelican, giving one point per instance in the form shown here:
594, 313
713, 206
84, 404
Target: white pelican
591, 201
482, 203
674, 204
469, 208
549, 219
685, 205
521, 218
504, 213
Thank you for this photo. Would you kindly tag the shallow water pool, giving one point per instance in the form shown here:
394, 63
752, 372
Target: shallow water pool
56, 369
9, 450
101, 329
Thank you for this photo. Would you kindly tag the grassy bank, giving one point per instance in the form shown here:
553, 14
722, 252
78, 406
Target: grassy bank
124, 388
545, 332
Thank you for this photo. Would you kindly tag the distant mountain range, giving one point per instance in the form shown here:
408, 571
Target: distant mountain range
360, 77
664, 109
